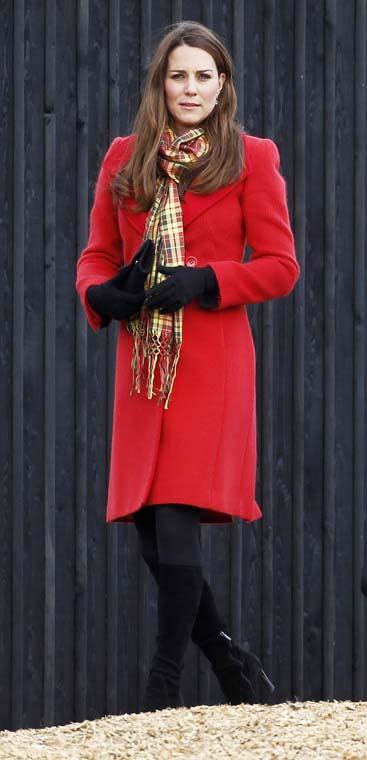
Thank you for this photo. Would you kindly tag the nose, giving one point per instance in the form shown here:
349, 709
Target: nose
190, 86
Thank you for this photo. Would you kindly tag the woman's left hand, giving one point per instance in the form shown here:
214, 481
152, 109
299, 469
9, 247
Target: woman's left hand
182, 284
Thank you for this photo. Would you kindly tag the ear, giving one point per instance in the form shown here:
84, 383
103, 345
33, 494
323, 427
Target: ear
222, 78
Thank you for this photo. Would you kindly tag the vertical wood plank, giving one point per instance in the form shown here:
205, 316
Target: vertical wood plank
65, 336
18, 373
6, 337
359, 348
114, 21
300, 20
344, 266
81, 534
176, 11
98, 128
238, 55
50, 360
130, 71
314, 355
207, 13
329, 356
33, 378
145, 40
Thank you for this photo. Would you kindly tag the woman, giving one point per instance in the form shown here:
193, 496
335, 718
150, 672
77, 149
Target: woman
175, 204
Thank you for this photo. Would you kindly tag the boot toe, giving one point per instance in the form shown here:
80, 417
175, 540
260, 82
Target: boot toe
159, 694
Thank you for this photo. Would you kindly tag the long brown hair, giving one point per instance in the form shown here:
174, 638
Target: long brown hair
225, 161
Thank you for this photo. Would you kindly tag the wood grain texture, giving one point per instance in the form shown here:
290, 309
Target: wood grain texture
33, 356
359, 354
78, 607
81, 361
343, 457
328, 546
6, 359
66, 182
297, 506
314, 355
98, 129
50, 364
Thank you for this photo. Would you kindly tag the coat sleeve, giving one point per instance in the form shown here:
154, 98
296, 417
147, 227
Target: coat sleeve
102, 257
272, 269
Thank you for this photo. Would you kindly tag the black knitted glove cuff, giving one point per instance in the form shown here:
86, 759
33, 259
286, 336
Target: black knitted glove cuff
210, 298
105, 321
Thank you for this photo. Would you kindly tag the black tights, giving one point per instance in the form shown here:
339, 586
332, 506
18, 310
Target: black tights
169, 534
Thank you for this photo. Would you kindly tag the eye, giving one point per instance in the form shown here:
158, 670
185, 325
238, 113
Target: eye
177, 76
205, 76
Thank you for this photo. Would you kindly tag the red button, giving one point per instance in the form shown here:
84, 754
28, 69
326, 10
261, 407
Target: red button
191, 261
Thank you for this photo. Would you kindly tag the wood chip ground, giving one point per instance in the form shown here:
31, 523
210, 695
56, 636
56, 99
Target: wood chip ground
301, 730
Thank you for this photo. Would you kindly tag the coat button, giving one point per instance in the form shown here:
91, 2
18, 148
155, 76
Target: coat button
191, 261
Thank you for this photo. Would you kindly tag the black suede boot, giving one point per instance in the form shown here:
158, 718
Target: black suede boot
179, 593
238, 671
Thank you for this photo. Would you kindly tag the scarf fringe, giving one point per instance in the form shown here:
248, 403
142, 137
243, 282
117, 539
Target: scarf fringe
149, 351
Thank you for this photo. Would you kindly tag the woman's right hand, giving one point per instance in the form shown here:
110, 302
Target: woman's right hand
122, 296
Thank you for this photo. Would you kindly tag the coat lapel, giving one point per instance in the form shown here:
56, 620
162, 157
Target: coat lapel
136, 219
193, 206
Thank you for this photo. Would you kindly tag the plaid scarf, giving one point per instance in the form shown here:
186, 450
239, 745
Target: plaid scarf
158, 337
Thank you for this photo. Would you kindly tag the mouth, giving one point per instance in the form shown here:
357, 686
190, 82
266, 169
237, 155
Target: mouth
189, 105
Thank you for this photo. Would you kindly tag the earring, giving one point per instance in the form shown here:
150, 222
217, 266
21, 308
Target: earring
216, 100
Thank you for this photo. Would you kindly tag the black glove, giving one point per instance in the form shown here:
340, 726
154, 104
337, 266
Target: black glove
123, 295
181, 286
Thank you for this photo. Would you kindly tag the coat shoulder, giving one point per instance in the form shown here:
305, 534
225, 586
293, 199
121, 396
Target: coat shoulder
259, 151
119, 152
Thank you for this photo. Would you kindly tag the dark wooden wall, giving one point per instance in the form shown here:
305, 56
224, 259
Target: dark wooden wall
77, 605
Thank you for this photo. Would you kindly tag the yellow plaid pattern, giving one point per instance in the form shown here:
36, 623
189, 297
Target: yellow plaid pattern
158, 337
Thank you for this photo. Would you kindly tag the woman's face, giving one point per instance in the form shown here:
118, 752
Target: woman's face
191, 86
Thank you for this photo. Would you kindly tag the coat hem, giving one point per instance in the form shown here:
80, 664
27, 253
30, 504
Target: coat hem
210, 515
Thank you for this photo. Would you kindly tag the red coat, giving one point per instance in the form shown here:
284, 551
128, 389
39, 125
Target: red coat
202, 449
